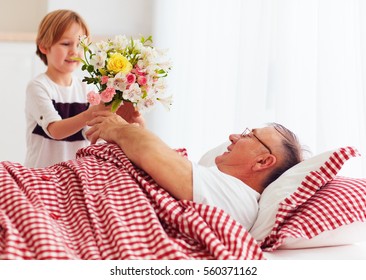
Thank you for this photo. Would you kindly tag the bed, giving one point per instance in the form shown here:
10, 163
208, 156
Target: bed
101, 206
356, 251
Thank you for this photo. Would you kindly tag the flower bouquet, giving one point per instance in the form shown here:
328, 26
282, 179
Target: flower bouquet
125, 70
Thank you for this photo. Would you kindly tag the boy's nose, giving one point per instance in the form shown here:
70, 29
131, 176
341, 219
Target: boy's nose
74, 49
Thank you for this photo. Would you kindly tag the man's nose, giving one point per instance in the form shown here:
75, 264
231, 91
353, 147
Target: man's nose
234, 138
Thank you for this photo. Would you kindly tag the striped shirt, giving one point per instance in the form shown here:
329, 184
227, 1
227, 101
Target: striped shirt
47, 102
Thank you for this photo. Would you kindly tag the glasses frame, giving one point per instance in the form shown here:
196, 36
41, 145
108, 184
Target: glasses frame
248, 131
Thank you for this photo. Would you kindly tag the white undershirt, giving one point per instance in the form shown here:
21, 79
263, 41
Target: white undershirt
213, 187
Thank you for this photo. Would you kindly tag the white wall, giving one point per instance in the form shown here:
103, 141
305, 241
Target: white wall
111, 17
19, 63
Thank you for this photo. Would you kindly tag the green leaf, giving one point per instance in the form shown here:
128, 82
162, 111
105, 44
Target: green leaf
90, 68
115, 105
78, 59
90, 80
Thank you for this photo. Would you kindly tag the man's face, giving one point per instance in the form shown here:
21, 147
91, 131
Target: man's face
244, 148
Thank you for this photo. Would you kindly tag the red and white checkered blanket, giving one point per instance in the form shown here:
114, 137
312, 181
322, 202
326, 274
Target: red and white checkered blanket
100, 206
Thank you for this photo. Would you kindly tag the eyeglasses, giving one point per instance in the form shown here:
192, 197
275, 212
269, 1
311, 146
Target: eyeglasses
248, 131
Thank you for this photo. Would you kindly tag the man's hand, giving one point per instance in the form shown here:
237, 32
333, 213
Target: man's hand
104, 126
129, 113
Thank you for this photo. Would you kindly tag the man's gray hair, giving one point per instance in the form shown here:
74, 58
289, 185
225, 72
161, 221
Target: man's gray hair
292, 152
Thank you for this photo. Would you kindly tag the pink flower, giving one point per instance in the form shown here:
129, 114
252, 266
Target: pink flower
107, 94
93, 98
142, 80
104, 80
131, 78
139, 71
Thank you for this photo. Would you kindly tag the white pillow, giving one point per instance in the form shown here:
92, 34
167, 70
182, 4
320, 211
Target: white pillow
208, 159
334, 215
283, 188
347, 234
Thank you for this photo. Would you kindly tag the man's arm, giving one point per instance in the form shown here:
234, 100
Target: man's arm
169, 169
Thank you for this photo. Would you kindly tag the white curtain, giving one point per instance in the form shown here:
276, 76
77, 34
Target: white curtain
244, 63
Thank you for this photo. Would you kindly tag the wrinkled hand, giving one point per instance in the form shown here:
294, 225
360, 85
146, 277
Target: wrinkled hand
105, 126
129, 113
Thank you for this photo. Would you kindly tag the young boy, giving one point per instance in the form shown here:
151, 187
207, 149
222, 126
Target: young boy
56, 106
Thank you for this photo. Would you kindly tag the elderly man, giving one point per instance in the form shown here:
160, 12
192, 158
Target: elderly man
252, 161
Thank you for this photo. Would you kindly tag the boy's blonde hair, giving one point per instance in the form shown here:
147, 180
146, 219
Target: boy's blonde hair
53, 26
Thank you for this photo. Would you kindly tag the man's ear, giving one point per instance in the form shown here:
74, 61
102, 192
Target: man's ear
264, 162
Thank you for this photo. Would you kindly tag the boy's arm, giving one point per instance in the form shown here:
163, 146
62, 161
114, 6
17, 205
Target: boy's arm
66, 127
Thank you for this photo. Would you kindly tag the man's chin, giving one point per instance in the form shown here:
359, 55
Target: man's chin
218, 159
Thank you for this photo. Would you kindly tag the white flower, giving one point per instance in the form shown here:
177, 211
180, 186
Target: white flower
145, 104
83, 43
151, 69
166, 101
119, 82
98, 60
138, 45
133, 93
120, 42
165, 65
160, 85
102, 46
141, 64
149, 54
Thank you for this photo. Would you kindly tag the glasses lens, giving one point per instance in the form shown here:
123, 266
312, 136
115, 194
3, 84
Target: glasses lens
246, 132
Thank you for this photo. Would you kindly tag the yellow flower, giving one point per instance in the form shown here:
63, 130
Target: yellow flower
118, 63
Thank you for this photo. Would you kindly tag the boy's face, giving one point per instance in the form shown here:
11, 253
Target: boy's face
59, 55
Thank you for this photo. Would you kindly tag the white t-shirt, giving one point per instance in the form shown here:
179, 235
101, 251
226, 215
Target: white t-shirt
47, 102
213, 187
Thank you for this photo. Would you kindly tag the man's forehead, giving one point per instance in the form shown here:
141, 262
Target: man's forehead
268, 132
266, 129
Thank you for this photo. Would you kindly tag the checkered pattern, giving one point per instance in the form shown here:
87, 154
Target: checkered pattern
101, 206
323, 202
